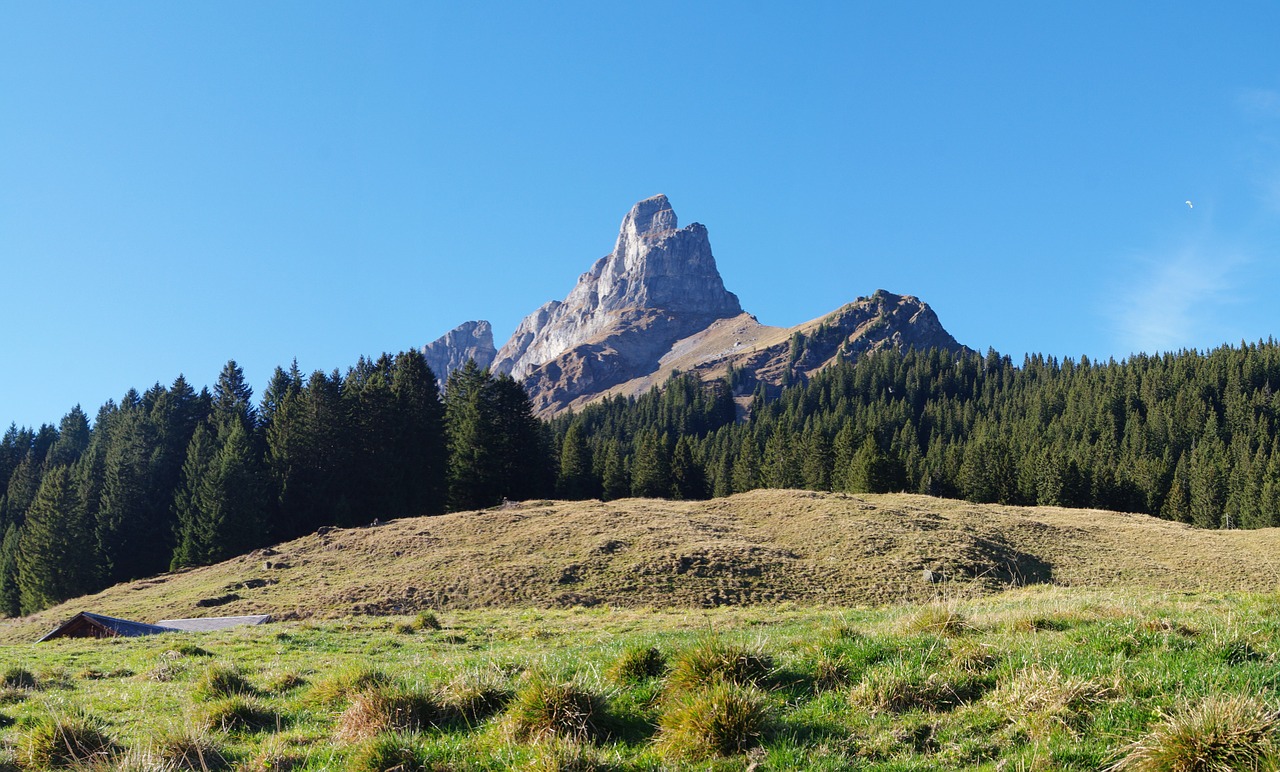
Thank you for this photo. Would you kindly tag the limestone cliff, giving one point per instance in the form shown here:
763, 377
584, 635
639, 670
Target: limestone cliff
449, 352
656, 305
654, 266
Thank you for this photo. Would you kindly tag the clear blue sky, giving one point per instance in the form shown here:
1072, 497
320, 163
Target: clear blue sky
186, 183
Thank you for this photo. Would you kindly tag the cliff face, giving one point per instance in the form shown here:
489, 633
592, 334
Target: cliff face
654, 266
449, 352
657, 304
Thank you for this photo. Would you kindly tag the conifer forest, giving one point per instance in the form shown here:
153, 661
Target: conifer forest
176, 477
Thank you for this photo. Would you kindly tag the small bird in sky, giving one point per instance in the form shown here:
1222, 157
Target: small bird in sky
1189, 206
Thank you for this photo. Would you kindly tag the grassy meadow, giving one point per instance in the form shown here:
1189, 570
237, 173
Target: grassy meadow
1036, 678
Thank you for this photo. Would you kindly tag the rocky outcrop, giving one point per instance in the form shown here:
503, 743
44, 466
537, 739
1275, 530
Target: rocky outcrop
449, 352
760, 354
656, 305
654, 266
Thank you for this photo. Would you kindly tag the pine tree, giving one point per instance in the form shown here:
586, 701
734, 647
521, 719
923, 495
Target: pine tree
575, 480
469, 424
419, 439
192, 502
55, 556
688, 481
615, 481
651, 468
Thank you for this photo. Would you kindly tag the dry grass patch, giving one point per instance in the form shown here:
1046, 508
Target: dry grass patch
1038, 701
62, 741
1220, 733
381, 710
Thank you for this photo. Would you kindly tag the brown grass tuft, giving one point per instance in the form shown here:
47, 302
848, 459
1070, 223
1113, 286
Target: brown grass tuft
379, 710
1039, 701
1225, 732
544, 707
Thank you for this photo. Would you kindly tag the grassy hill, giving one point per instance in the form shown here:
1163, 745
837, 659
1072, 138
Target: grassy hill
763, 547
769, 631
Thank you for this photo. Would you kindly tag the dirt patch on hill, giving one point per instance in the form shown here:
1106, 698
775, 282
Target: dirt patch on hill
759, 547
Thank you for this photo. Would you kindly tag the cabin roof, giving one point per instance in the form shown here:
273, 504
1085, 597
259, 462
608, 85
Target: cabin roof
86, 624
205, 624
89, 625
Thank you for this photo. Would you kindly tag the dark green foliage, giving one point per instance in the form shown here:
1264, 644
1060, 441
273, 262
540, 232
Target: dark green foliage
55, 557
651, 469
496, 447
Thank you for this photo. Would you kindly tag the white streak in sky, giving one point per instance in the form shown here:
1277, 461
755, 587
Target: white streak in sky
1180, 301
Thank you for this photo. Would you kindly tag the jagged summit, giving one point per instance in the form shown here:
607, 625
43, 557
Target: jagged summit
653, 215
653, 266
656, 305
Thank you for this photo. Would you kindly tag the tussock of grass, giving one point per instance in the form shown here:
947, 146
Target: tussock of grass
379, 710
904, 688
544, 707
714, 659
1039, 701
219, 680
286, 681
559, 755
391, 752
185, 747
637, 663
830, 671
273, 756
61, 741
721, 719
18, 678
937, 619
336, 688
1225, 732
239, 713
472, 696
189, 649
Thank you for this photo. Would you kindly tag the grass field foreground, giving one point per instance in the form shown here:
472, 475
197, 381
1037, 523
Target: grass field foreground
1035, 678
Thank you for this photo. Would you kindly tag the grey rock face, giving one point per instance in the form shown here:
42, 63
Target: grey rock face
654, 265
449, 352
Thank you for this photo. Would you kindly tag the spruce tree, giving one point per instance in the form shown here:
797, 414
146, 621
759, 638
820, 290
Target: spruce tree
616, 483
688, 481
55, 556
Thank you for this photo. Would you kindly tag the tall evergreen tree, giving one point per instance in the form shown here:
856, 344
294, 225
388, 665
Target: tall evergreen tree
55, 556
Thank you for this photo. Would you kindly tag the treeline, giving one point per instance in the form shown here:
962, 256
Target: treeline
174, 477
1188, 436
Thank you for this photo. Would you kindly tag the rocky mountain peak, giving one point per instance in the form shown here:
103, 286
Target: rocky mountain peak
653, 266
652, 216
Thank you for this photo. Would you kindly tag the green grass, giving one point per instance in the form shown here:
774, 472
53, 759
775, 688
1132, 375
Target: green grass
1033, 679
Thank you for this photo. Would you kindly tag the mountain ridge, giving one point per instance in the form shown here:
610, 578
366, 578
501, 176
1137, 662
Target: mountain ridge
657, 304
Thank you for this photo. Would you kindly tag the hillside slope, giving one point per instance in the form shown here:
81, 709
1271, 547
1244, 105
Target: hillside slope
765, 546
